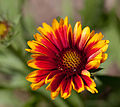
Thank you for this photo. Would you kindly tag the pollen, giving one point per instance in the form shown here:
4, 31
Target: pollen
71, 59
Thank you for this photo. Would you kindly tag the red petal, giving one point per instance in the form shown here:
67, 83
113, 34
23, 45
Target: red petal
92, 64
56, 82
49, 33
43, 58
43, 40
93, 55
51, 75
89, 82
70, 39
78, 84
87, 48
77, 33
99, 46
84, 37
36, 86
43, 65
56, 41
66, 87
37, 76
39, 48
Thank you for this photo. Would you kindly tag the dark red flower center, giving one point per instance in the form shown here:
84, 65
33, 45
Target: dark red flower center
71, 61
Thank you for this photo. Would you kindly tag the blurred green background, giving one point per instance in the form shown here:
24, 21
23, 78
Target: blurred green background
24, 16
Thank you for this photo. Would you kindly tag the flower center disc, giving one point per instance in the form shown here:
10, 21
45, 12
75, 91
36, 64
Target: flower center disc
71, 59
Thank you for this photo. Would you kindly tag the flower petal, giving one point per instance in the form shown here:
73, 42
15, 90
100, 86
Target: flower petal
95, 56
51, 75
104, 57
55, 83
61, 32
85, 72
101, 46
37, 75
66, 87
55, 94
97, 37
49, 33
92, 64
38, 48
88, 81
66, 21
84, 37
39, 57
77, 83
92, 90
55, 24
70, 39
42, 65
44, 41
77, 32
36, 86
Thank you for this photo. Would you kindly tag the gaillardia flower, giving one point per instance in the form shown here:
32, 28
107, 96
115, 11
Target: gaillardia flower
64, 58
4, 27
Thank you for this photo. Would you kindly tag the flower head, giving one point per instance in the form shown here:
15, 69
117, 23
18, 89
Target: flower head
64, 58
4, 27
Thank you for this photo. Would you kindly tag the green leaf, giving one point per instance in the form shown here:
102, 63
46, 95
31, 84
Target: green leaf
9, 60
10, 8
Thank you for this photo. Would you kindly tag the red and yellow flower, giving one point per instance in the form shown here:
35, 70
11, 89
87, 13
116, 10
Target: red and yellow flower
63, 58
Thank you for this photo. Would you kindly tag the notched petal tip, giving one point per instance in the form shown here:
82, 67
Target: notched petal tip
36, 86
85, 72
48, 87
31, 63
78, 84
92, 90
55, 24
28, 50
104, 57
107, 41
86, 30
66, 95
31, 76
55, 94
93, 64
66, 21
61, 22
84, 37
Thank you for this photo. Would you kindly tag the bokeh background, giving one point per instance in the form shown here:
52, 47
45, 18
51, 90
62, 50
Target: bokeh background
24, 16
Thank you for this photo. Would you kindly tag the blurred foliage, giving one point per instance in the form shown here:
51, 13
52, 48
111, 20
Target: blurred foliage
15, 90
93, 14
